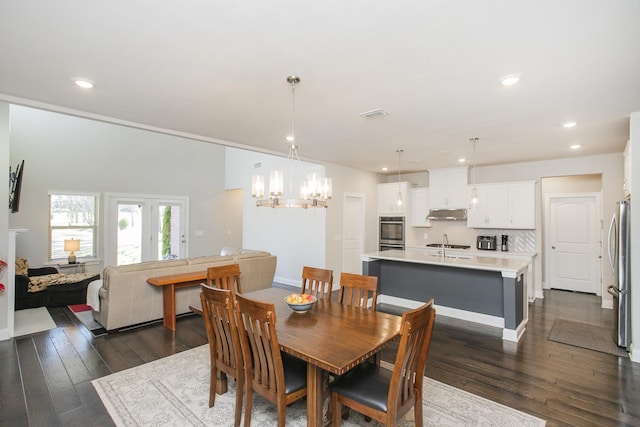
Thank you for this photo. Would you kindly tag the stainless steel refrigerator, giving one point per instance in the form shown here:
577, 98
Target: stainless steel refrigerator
620, 262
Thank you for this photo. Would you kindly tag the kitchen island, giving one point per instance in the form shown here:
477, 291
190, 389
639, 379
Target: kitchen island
485, 290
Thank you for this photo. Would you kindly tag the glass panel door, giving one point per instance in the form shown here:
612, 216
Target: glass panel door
170, 234
129, 242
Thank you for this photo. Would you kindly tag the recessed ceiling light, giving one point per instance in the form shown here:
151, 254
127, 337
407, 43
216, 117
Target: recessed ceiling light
569, 124
84, 83
575, 146
385, 168
510, 79
462, 160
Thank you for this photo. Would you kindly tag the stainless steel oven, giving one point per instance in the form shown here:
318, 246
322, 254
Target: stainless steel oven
391, 232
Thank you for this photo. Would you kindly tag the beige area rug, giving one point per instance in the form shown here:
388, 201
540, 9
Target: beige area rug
31, 321
175, 391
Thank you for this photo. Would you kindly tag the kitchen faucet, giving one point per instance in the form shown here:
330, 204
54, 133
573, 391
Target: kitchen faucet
445, 242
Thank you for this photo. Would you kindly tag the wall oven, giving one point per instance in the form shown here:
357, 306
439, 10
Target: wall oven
391, 233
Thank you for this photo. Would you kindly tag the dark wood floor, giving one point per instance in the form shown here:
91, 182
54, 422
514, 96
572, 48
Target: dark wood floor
45, 378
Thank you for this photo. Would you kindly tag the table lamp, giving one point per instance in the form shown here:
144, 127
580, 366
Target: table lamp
70, 246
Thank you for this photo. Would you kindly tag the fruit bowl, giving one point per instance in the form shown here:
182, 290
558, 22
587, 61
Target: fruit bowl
300, 303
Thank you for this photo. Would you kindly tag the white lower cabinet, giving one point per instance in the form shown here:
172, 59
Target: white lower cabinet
504, 205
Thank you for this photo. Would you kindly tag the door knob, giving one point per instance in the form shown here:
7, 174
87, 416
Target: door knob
553, 247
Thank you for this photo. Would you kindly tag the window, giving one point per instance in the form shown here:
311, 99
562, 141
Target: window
73, 216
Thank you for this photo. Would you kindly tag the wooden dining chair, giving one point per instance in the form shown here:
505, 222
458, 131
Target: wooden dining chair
224, 344
383, 395
356, 290
225, 277
279, 378
317, 282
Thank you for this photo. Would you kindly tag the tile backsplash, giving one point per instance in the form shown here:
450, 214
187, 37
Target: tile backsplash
458, 233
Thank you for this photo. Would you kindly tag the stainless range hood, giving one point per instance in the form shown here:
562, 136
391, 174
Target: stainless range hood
447, 215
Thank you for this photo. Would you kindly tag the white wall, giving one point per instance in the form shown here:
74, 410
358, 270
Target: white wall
4, 219
65, 153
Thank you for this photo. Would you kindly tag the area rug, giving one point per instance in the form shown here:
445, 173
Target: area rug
591, 337
84, 315
31, 321
175, 391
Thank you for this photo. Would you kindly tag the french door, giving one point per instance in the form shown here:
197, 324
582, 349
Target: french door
145, 228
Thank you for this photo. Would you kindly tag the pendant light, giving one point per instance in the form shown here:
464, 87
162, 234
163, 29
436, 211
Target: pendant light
315, 190
400, 198
474, 199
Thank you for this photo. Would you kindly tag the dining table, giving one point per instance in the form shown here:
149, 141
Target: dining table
331, 337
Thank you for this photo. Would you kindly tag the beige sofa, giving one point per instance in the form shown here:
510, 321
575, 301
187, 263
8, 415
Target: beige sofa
127, 299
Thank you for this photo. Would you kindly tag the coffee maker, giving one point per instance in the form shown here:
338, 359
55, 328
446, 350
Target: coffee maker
505, 243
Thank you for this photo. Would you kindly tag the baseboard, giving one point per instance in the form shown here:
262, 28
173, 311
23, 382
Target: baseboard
4, 334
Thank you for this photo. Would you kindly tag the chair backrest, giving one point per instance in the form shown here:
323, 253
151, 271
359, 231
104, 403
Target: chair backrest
356, 290
317, 282
219, 318
260, 348
225, 277
408, 370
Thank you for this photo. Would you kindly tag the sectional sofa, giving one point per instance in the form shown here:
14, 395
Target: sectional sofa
126, 299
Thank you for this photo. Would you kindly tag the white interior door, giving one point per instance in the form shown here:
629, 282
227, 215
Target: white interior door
573, 243
353, 233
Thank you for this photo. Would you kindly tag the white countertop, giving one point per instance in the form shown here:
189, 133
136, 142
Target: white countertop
509, 267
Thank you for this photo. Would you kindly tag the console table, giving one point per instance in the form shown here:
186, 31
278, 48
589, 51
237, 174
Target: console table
169, 285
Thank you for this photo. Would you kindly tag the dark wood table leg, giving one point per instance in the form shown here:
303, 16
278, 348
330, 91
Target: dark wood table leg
314, 395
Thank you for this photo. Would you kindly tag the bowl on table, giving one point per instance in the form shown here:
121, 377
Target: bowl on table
300, 303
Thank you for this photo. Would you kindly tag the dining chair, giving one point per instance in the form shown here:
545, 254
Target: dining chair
224, 344
383, 395
278, 377
225, 277
317, 282
356, 290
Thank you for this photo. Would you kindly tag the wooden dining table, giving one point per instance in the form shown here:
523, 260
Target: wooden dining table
331, 338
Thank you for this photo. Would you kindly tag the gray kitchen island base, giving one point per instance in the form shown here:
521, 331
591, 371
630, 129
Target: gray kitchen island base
491, 297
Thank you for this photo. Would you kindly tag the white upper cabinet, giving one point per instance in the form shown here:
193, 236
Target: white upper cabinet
627, 170
504, 205
388, 198
491, 210
448, 188
420, 207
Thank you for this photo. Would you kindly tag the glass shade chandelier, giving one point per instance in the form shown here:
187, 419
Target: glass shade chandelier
315, 190
474, 199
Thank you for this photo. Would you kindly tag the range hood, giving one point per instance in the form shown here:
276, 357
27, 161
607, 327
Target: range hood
447, 215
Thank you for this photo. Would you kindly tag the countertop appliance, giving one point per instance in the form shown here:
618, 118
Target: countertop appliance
505, 243
391, 233
487, 243
620, 263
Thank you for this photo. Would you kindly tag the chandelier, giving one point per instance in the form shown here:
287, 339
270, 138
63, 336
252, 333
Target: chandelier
315, 189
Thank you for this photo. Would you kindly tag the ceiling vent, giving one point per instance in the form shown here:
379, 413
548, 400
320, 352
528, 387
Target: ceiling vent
378, 112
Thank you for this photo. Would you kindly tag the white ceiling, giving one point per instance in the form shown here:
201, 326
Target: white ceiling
217, 69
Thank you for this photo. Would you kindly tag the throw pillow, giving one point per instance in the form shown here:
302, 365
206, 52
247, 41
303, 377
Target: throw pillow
227, 251
22, 267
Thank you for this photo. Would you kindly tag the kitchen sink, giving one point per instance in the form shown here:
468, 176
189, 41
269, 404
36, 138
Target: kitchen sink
447, 246
452, 256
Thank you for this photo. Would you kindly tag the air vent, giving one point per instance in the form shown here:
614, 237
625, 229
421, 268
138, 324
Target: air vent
257, 165
379, 112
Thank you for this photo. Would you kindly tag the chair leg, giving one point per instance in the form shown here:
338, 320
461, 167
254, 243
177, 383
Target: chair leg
248, 406
239, 392
417, 410
212, 389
